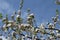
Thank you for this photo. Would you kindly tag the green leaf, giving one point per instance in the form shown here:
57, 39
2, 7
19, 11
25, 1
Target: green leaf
1, 16
57, 12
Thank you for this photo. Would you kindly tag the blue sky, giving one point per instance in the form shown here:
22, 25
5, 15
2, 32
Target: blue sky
42, 9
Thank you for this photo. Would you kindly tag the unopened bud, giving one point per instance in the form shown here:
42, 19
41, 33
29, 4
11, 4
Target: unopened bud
19, 12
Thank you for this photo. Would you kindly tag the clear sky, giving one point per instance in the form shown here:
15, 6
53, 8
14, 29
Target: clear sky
43, 9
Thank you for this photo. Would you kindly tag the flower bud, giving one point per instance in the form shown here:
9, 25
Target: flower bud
31, 15
19, 12
29, 18
51, 25
10, 21
37, 30
4, 19
12, 16
55, 19
42, 26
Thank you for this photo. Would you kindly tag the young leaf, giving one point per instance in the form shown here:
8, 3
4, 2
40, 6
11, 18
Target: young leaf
1, 16
57, 12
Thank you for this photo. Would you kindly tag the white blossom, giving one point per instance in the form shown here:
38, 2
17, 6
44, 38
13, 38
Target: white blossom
4, 19
31, 14
8, 38
26, 35
54, 19
9, 25
42, 26
58, 35
22, 24
52, 32
32, 29
17, 16
51, 37
28, 17
51, 25
23, 37
12, 33
36, 29
56, 31
26, 25
10, 21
